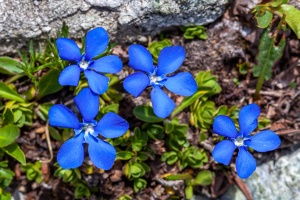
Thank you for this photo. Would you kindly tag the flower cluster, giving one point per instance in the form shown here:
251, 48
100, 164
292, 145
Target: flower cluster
262, 142
169, 60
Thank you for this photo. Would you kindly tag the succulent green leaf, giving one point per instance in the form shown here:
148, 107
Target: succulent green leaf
189, 192
139, 184
123, 155
8, 134
14, 151
176, 177
203, 178
292, 17
146, 114
49, 84
55, 134
263, 20
9, 66
268, 54
7, 93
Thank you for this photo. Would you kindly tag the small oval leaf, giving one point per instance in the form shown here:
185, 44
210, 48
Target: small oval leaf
146, 114
7, 93
8, 134
49, 84
14, 151
9, 66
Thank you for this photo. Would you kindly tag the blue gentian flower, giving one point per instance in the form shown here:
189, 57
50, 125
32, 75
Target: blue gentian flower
95, 43
169, 60
263, 141
71, 153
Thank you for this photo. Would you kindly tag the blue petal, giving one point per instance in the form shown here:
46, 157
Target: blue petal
140, 58
182, 84
112, 125
264, 141
71, 153
107, 64
102, 154
97, 82
88, 104
136, 83
61, 116
224, 126
170, 59
68, 49
161, 103
223, 152
96, 42
248, 118
69, 76
245, 163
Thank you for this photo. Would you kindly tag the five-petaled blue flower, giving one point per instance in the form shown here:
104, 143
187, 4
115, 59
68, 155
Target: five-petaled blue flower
262, 142
169, 60
71, 153
95, 43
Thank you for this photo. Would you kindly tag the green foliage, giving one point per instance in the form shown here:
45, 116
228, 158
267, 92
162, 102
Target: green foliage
8, 93
193, 157
9, 66
48, 84
243, 67
18, 113
176, 135
139, 184
193, 32
146, 114
156, 46
124, 197
288, 13
268, 54
14, 151
203, 178
170, 157
207, 87
33, 171
154, 131
6, 176
139, 140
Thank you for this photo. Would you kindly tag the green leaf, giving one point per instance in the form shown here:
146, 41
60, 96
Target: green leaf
7, 93
264, 19
49, 84
268, 54
55, 134
189, 192
6, 173
123, 155
8, 134
9, 66
176, 177
146, 114
203, 178
292, 17
14, 151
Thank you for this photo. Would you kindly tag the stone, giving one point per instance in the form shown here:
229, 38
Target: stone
275, 179
22, 20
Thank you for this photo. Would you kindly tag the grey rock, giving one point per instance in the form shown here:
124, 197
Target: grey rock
125, 20
273, 180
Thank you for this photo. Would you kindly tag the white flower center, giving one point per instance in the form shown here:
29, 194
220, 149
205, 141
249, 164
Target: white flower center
155, 79
88, 129
83, 64
239, 142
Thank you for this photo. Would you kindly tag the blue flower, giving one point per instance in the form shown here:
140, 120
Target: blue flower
71, 153
262, 142
169, 60
95, 43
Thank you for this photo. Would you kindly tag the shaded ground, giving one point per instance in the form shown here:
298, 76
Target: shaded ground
232, 39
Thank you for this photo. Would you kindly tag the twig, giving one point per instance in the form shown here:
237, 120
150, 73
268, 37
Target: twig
49, 145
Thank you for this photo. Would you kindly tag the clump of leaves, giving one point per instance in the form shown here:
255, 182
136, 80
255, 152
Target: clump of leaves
156, 46
264, 14
33, 171
6, 176
203, 178
193, 32
269, 52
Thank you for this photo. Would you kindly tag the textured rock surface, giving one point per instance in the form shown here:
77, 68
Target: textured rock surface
278, 180
125, 20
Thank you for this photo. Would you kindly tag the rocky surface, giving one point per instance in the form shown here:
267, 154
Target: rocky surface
125, 20
278, 180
